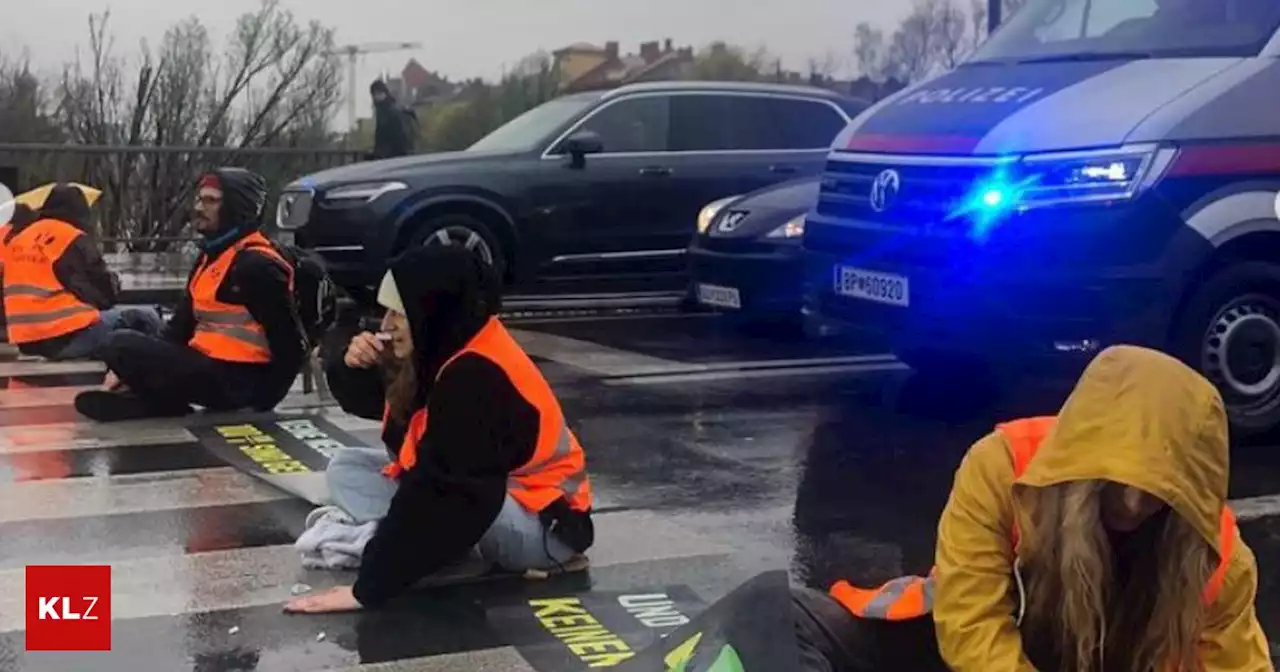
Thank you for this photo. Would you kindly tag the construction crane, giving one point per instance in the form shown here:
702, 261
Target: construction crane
353, 52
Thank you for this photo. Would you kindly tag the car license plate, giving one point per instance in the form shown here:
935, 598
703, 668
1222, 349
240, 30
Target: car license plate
720, 297
857, 283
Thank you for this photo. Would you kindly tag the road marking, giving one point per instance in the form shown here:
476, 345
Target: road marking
88, 435
742, 374
593, 357
42, 368
1254, 508
175, 584
132, 493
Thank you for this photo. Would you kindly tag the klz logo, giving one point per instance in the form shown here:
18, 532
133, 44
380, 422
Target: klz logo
68, 608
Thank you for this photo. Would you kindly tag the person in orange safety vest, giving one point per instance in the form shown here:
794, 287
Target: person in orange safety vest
234, 341
480, 459
1097, 539
60, 299
22, 216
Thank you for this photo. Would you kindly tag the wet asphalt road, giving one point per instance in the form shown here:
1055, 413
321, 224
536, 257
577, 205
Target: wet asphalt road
715, 455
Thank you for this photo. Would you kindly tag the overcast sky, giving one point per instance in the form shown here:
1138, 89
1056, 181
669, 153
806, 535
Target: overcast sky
467, 38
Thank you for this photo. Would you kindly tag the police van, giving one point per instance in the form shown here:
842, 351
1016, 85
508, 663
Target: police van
1095, 173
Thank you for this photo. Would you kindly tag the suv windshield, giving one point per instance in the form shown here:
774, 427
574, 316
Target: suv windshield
532, 129
1067, 29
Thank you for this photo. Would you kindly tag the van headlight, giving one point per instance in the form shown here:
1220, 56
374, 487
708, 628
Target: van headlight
1063, 178
794, 228
364, 192
710, 210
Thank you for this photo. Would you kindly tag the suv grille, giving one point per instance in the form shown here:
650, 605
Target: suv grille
926, 196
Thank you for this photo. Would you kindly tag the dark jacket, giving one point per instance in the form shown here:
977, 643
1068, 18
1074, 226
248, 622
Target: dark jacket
480, 429
255, 281
391, 130
81, 268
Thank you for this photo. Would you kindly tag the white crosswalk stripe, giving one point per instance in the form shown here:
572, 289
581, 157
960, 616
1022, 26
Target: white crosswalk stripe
186, 535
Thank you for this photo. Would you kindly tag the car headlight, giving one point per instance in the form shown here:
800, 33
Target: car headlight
1039, 180
293, 208
794, 228
710, 210
364, 192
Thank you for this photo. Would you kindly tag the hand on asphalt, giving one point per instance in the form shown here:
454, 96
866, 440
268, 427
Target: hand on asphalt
111, 382
364, 352
340, 598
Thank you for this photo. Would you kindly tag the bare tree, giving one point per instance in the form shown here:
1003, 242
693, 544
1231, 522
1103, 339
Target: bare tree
868, 51
24, 104
824, 67
273, 84
913, 47
950, 28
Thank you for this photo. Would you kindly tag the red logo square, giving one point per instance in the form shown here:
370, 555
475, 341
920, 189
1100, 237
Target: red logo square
68, 608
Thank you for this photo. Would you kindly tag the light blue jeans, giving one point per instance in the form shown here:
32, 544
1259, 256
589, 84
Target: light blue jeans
86, 343
515, 541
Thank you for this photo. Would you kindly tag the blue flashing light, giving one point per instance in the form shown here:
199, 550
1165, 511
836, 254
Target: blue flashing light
993, 197
989, 204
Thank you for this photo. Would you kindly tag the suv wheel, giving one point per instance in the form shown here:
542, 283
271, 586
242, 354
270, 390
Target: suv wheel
1230, 331
464, 231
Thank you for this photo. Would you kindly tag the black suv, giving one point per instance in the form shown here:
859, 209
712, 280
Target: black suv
588, 193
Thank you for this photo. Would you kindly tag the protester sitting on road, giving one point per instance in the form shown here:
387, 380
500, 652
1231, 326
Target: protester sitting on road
234, 342
1098, 539
22, 216
496, 470
59, 297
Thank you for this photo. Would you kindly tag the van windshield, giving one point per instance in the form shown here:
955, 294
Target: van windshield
1049, 30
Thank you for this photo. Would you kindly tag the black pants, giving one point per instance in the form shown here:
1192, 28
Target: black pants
167, 375
832, 640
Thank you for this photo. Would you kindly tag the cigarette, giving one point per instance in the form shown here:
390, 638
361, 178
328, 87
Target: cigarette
382, 336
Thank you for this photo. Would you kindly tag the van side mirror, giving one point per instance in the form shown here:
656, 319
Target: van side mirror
580, 144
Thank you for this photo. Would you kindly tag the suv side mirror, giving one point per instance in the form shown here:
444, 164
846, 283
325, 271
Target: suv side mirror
580, 144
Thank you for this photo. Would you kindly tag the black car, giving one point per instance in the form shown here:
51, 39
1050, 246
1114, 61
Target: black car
591, 192
746, 258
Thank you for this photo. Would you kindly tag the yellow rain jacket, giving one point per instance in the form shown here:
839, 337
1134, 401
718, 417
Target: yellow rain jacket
1136, 417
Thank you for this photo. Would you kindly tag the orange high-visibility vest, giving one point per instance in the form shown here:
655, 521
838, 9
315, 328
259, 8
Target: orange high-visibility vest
558, 466
37, 307
227, 331
911, 597
4, 249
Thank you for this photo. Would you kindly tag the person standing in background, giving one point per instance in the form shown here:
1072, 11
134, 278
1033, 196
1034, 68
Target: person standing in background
392, 133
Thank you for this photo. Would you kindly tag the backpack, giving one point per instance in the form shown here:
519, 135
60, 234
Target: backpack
315, 296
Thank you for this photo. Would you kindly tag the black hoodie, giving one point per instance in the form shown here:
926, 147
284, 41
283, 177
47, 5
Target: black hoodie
255, 281
81, 268
481, 428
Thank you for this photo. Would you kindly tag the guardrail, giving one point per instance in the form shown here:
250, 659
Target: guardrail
148, 191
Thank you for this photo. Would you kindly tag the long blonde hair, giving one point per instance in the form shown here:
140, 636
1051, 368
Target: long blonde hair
1073, 602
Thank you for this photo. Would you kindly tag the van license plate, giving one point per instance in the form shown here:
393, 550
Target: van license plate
857, 283
720, 297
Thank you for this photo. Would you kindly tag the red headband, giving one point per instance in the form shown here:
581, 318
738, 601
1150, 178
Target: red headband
210, 181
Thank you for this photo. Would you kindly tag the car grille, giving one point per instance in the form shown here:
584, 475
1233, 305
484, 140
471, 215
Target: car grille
294, 209
928, 195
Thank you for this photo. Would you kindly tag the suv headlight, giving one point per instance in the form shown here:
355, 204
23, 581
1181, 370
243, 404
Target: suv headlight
293, 208
794, 228
709, 212
362, 193
1058, 178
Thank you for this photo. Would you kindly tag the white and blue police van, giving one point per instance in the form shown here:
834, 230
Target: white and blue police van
1095, 173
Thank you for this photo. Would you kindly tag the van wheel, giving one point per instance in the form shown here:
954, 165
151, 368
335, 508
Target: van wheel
1230, 332
464, 231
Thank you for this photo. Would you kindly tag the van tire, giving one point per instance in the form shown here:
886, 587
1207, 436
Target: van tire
1229, 330
458, 227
